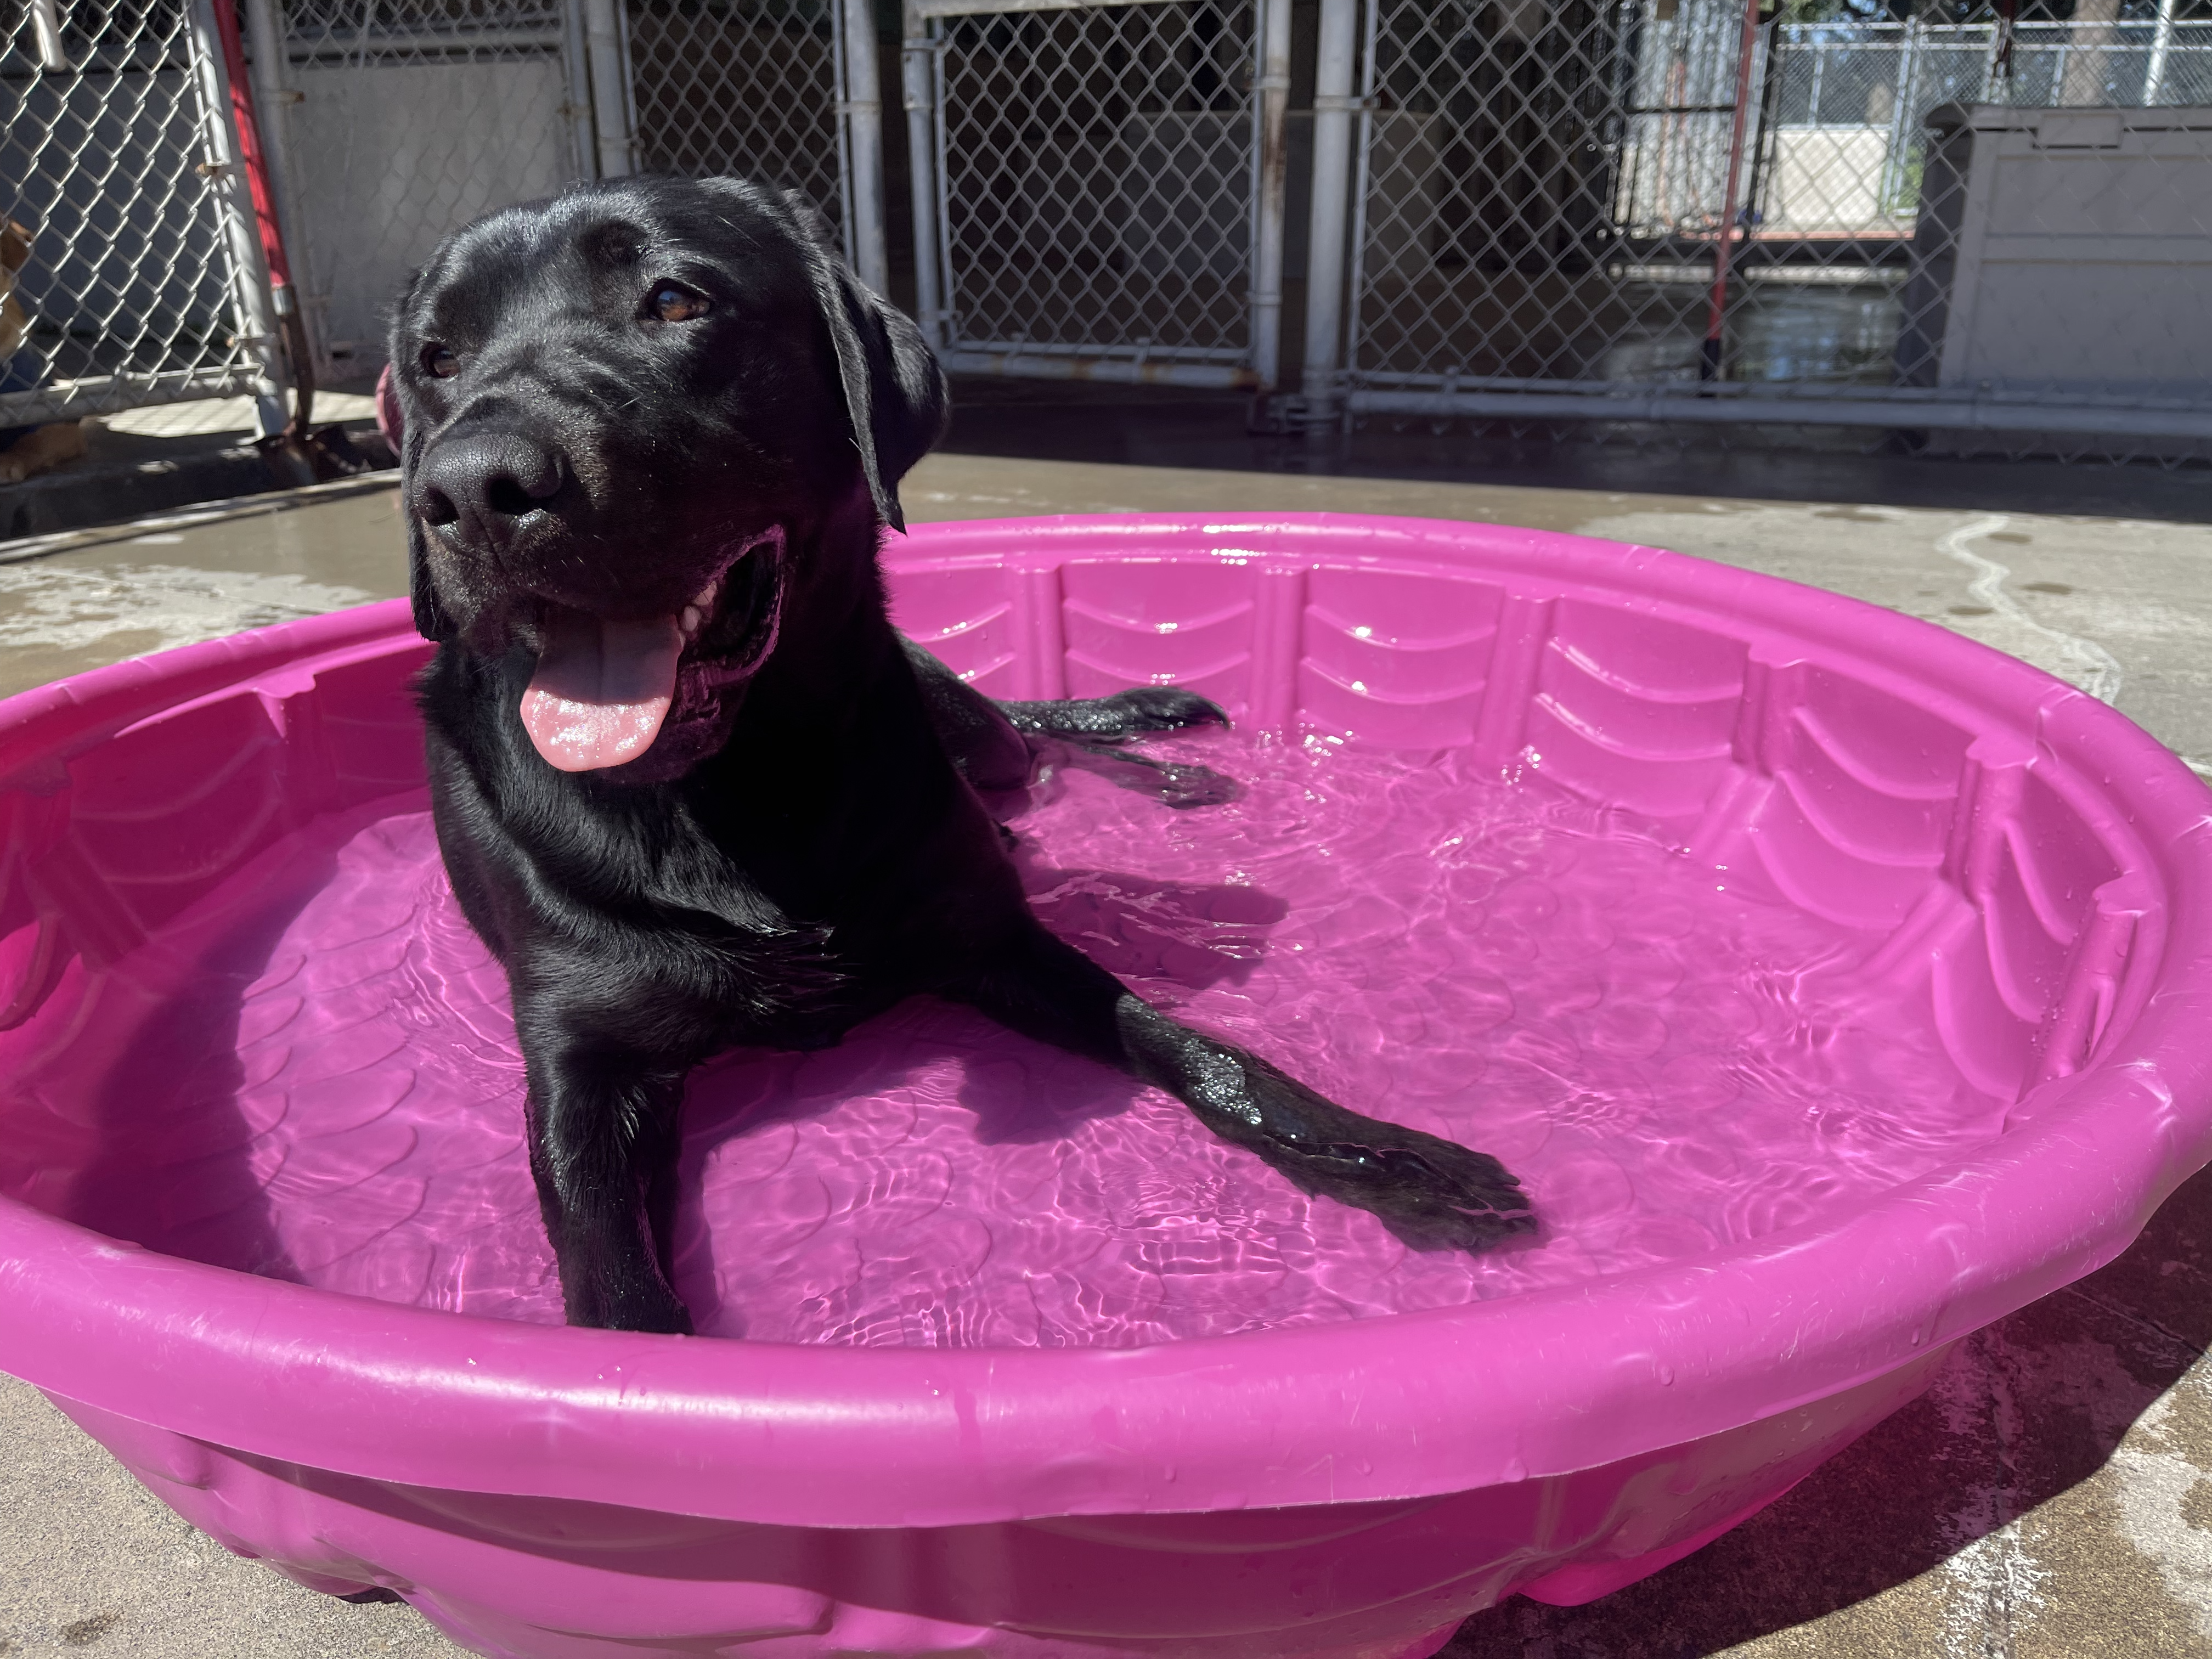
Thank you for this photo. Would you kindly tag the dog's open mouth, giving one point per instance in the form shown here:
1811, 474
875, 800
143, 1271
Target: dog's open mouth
605, 688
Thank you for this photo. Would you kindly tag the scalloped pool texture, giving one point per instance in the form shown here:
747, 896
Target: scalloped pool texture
1799, 957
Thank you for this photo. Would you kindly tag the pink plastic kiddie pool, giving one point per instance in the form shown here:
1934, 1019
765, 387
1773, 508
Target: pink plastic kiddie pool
1836, 986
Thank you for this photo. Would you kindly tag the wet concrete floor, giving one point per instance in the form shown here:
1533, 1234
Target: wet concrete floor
2051, 1496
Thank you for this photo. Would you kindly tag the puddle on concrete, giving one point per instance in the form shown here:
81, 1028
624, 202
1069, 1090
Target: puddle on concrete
135, 588
1832, 335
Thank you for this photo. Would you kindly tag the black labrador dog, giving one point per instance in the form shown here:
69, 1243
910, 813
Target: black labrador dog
690, 785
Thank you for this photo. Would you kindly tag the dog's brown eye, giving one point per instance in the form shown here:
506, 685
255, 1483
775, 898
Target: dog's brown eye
439, 361
672, 304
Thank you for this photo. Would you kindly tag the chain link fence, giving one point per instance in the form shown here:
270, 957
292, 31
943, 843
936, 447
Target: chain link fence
1852, 103
386, 125
1486, 189
1980, 236
134, 274
1630, 215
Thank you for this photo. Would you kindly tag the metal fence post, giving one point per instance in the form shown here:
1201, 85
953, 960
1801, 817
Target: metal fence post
918, 76
46, 28
273, 98
860, 104
1272, 159
576, 65
249, 275
610, 117
1710, 353
1902, 124
1334, 104
2161, 51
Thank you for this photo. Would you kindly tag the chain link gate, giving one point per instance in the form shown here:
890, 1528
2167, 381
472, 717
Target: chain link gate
392, 122
1671, 211
1098, 188
141, 281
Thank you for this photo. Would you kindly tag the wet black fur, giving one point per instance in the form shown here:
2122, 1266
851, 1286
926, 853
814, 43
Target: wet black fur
817, 853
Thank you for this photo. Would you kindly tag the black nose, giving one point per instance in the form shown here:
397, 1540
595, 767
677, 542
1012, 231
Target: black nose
482, 484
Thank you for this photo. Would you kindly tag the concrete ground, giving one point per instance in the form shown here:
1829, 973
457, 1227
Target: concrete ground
165, 457
2051, 1496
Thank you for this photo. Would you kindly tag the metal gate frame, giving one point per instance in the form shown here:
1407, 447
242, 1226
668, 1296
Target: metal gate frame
250, 360
1256, 366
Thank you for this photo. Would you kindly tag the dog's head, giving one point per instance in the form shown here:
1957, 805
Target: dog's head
625, 411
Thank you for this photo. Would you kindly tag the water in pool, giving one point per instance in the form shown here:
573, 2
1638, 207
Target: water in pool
1668, 1064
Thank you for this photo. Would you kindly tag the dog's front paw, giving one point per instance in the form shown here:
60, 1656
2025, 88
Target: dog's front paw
1185, 787
1433, 1193
635, 1307
1162, 709
1176, 784
665, 1317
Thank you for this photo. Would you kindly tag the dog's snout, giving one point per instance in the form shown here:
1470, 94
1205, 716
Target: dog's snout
481, 484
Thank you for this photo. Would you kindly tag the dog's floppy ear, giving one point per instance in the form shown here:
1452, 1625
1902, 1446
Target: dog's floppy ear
432, 620
893, 390
15, 246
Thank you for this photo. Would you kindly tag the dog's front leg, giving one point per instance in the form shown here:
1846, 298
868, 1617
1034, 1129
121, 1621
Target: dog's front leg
990, 743
1431, 1192
603, 1139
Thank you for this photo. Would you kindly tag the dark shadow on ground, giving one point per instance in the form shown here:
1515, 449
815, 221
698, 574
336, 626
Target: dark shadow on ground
2026, 1410
1136, 426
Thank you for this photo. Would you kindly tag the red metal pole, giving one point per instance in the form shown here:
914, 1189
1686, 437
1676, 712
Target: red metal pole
1709, 365
255, 161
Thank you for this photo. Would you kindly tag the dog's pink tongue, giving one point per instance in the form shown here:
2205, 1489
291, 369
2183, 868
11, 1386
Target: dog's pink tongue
601, 690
